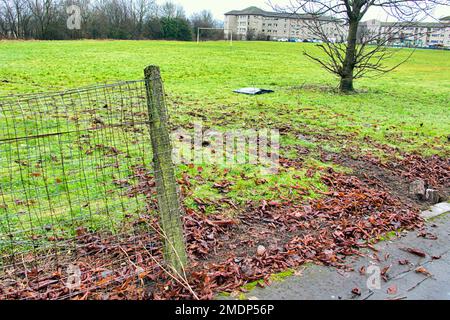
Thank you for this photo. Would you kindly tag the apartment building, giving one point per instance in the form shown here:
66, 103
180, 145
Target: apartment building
421, 34
255, 23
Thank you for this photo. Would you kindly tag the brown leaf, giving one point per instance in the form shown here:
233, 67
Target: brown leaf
424, 271
416, 252
385, 270
362, 270
392, 289
356, 291
273, 203
403, 262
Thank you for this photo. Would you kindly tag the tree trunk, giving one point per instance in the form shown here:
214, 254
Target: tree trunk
350, 55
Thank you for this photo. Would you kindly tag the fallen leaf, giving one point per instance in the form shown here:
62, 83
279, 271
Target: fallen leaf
356, 291
424, 271
392, 289
385, 270
362, 270
403, 262
416, 252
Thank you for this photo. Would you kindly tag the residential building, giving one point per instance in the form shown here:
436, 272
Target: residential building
255, 23
420, 34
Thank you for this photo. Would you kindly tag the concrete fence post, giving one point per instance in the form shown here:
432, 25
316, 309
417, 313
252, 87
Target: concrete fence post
168, 199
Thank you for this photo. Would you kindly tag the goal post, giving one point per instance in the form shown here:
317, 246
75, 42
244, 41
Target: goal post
230, 33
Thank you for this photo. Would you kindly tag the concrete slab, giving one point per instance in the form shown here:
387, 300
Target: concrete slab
436, 210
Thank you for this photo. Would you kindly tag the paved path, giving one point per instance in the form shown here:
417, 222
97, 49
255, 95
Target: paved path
401, 281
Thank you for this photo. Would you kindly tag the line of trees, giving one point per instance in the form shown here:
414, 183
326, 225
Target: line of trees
101, 19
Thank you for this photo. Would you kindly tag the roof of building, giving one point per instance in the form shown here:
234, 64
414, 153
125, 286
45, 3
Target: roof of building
414, 24
447, 18
255, 11
249, 10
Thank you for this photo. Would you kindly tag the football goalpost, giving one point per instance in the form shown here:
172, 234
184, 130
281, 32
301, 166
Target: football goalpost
230, 33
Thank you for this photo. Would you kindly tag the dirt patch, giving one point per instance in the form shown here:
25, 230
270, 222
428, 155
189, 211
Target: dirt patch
375, 175
398, 172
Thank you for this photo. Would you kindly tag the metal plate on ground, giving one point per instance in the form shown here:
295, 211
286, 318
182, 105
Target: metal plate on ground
253, 91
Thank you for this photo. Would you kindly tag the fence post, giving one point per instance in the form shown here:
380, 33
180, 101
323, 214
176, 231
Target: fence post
168, 200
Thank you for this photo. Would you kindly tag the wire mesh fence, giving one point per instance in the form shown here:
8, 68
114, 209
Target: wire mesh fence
78, 193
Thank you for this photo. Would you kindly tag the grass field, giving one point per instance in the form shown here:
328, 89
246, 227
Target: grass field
408, 108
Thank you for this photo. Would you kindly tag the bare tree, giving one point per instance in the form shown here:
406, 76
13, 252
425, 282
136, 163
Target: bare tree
114, 19
14, 18
171, 10
43, 13
141, 9
205, 19
362, 51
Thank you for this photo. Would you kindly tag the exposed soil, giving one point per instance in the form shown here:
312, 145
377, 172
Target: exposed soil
397, 173
373, 174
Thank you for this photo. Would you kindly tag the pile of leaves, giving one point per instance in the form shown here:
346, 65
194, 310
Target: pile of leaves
350, 216
125, 266
433, 170
103, 267
225, 253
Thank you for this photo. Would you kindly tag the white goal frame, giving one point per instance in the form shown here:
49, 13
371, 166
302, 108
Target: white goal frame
230, 32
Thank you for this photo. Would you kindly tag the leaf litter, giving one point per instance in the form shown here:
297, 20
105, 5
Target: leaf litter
223, 251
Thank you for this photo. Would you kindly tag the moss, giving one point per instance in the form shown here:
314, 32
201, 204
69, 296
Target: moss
242, 296
387, 236
278, 277
223, 295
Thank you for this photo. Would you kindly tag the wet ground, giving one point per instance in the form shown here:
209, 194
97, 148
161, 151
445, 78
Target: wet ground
389, 273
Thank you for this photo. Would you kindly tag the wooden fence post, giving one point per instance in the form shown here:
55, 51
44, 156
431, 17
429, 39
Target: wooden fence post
168, 200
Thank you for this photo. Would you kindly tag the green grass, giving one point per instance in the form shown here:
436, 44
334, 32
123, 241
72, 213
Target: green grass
408, 108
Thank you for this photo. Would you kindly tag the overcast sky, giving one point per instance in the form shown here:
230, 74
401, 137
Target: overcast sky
219, 7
